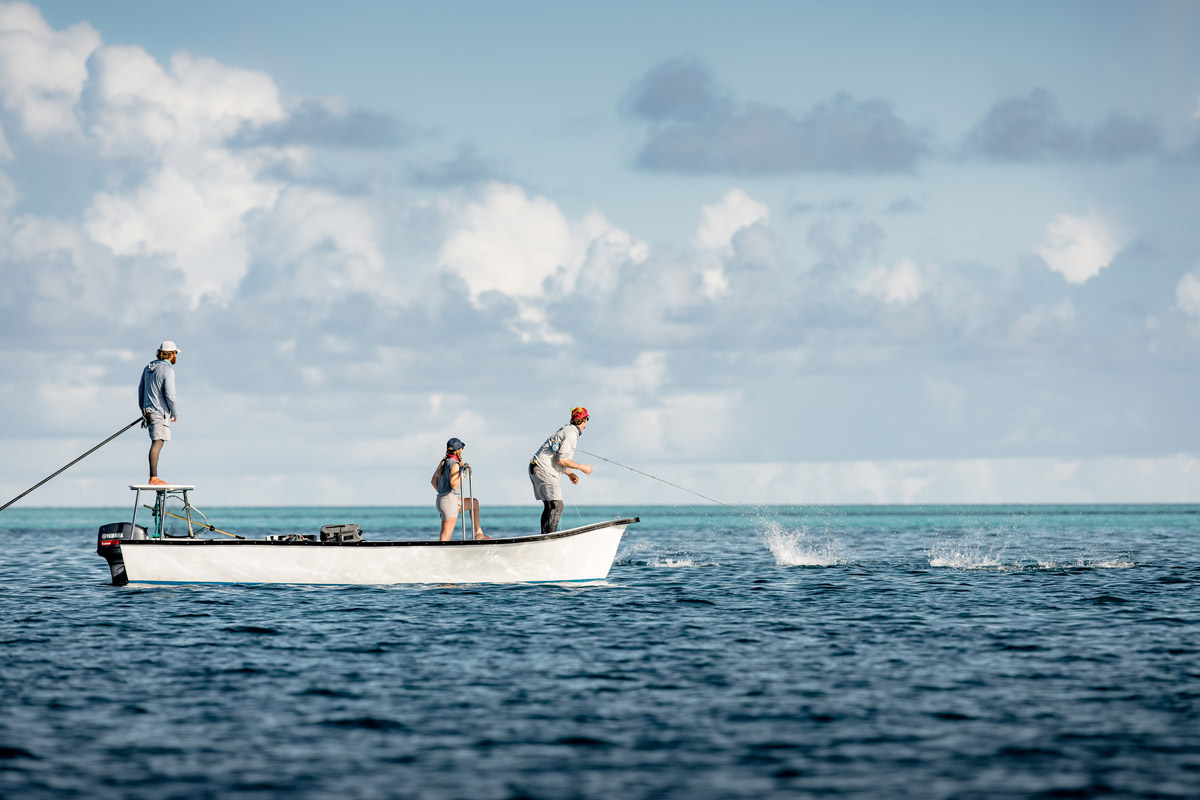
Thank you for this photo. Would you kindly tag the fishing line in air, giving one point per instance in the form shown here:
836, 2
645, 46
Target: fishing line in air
660, 480
735, 509
574, 506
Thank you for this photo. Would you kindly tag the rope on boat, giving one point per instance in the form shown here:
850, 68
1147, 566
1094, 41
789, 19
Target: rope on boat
73, 463
660, 480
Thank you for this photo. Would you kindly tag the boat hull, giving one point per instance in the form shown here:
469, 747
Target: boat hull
579, 554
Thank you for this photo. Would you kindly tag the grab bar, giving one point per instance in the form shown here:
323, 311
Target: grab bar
468, 497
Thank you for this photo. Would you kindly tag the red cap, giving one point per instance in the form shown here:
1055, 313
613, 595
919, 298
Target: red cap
578, 414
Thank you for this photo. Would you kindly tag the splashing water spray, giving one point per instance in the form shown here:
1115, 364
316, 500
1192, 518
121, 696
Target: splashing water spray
790, 547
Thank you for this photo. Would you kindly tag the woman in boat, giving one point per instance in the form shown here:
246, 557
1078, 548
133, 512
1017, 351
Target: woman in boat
447, 479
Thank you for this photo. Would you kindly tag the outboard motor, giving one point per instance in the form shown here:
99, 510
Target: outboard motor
108, 546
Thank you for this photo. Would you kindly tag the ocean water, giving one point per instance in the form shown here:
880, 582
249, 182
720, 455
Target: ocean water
863, 652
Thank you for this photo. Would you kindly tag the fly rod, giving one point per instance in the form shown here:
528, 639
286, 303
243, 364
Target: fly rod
73, 463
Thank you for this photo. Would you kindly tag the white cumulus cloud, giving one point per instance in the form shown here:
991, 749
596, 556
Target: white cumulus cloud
720, 222
189, 211
144, 109
193, 223
509, 242
179, 202
526, 249
1078, 247
43, 71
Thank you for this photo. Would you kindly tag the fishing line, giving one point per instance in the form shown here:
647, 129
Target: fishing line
660, 480
734, 509
572, 492
73, 463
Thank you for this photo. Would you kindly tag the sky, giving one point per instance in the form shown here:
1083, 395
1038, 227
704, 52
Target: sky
783, 252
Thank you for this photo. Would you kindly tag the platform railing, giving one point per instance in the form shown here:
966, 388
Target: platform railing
466, 492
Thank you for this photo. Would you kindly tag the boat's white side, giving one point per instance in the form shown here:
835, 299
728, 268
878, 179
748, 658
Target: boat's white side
579, 554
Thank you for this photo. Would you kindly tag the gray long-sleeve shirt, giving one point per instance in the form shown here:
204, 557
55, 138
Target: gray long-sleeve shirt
157, 389
560, 445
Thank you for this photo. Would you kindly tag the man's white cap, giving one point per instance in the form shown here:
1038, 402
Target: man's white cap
168, 347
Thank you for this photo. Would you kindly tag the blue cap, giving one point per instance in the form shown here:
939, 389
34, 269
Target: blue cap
455, 444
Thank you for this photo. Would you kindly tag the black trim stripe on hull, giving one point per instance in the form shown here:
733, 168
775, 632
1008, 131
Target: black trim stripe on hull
541, 537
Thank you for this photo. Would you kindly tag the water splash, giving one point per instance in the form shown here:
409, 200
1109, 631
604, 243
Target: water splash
968, 555
971, 555
1087, 563
794, 548
1114, 563
679, 562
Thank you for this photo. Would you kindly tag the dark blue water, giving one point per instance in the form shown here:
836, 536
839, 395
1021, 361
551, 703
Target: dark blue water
945, 652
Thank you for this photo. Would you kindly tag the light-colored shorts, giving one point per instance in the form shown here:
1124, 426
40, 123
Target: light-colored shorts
159, 428
546, 485
448, 505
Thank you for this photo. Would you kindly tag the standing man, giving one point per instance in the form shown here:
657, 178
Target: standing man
156, 399
552, 459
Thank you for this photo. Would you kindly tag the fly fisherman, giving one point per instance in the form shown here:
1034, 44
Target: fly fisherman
552, 459
156, 399
447, 479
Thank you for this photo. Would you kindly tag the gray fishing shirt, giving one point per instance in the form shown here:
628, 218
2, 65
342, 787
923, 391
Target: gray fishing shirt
560, 445
157, 389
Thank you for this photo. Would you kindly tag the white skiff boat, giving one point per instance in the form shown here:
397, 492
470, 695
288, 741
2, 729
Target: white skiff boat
340, 555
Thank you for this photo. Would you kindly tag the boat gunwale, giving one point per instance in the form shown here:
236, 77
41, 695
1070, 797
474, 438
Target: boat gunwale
539, 537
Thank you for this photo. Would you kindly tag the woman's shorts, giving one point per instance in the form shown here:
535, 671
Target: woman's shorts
448, 505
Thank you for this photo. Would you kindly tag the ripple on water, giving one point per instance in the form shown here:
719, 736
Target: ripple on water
706, 668
660, 556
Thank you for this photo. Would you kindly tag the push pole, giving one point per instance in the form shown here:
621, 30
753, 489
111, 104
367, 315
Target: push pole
73, 463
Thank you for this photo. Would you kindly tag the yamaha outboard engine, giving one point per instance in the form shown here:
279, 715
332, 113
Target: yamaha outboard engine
108, 546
